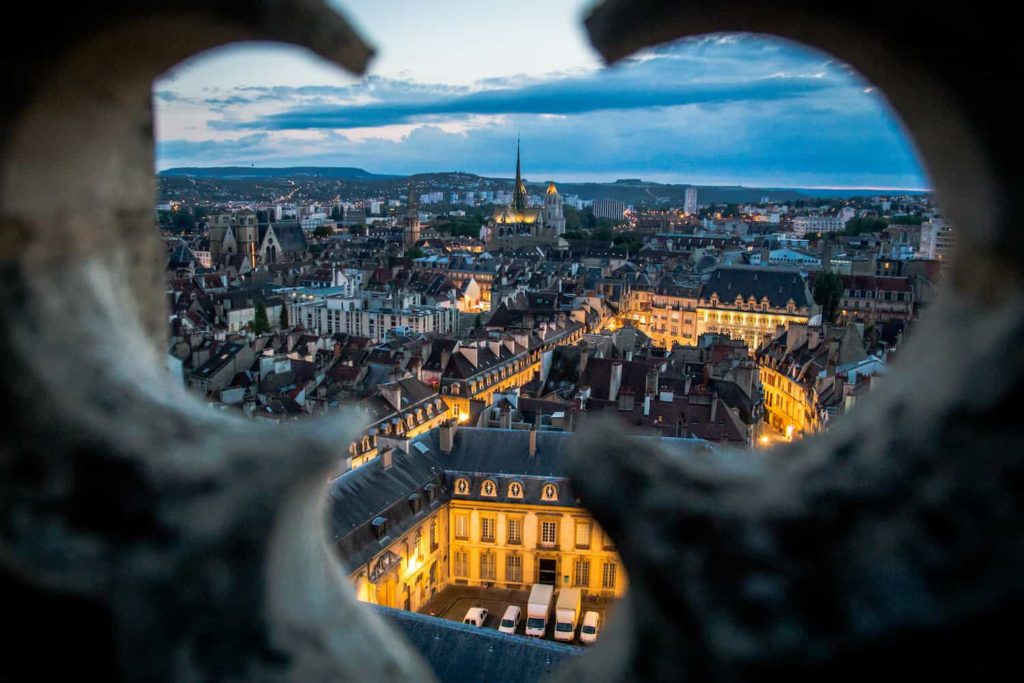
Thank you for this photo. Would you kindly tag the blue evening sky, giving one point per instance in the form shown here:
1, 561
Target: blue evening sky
454, 81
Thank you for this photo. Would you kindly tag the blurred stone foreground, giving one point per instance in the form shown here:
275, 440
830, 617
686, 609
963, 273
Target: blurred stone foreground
145, 539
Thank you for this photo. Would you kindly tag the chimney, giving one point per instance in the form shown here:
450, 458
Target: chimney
392, 393
647, 405
615, 380
447, 436
584, 357
386, 458
651, 387
533, 441
626, 399
687, 382
714, 407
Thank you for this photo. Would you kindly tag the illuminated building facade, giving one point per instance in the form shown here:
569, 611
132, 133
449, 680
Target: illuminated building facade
478, 507
751, 304
518, 224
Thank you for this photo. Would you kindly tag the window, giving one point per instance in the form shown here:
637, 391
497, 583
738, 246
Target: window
581, 576
514, 568
487, 529
515, 530
549, 492
487, 566
462, 486
489, 488
548, 533
462, 526
608, 575
515, 490
582, 534
433, 534
460, 562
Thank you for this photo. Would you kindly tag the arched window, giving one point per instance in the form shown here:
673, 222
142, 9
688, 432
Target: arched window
549, 492
462, 486
515, 490
489, 488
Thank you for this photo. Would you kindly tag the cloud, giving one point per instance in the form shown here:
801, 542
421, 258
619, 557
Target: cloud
719, 109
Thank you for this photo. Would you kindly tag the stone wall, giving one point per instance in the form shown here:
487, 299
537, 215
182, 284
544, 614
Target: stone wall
144, 538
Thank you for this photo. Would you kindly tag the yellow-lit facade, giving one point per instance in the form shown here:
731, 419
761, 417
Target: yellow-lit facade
787, 404
515, 371
502, 545
413, 421
752, 321
421, 567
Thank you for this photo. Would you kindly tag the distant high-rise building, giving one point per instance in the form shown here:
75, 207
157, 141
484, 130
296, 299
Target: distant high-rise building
690, 203
609, 208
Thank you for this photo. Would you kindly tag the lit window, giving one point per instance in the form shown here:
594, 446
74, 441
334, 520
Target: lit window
514, 568
515, 490
487, 530
462, 486
549, 492
548, 533
581, 576
608, 575
515, 530
489, 488
582, 534
487, 566
461, 563
462, 526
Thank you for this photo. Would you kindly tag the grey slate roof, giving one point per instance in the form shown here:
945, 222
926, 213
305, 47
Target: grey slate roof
777, 284
459, 653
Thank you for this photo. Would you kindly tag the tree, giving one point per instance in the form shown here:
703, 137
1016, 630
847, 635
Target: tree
284, 317
336, 213
414, 252
828, 290
857, 226
323, 231
478, 323
260, 322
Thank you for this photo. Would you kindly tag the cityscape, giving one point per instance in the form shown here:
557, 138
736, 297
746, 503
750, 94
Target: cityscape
479, 318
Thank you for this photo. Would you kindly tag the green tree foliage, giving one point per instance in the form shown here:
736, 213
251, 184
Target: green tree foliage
323, 231
858, 226
906, 220
260, 322
828, 291
629, 240
573, 222
336, 213
414, 252
284, 317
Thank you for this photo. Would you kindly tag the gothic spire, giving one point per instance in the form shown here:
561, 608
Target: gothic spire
519, 194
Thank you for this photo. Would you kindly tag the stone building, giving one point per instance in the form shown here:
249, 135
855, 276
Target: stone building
520, 225
469, 506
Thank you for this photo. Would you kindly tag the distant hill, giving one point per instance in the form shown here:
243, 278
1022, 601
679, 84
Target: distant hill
253, 183
252, 172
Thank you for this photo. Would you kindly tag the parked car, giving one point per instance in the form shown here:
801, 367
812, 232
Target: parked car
476, 616
591, 625
510, 621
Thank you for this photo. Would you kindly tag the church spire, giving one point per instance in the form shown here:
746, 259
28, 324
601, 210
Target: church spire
519, 195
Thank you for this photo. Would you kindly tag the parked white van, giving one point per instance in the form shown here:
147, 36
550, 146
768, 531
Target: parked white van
510, 621
591, 625
476, 616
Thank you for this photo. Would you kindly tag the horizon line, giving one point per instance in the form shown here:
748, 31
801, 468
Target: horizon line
844, 188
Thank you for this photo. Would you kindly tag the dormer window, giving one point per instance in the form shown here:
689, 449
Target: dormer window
415, 502
462, 486
380, 527
489, 488
515, 490
549, 492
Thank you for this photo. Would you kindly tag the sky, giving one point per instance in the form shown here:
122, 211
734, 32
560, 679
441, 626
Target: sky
455, 82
